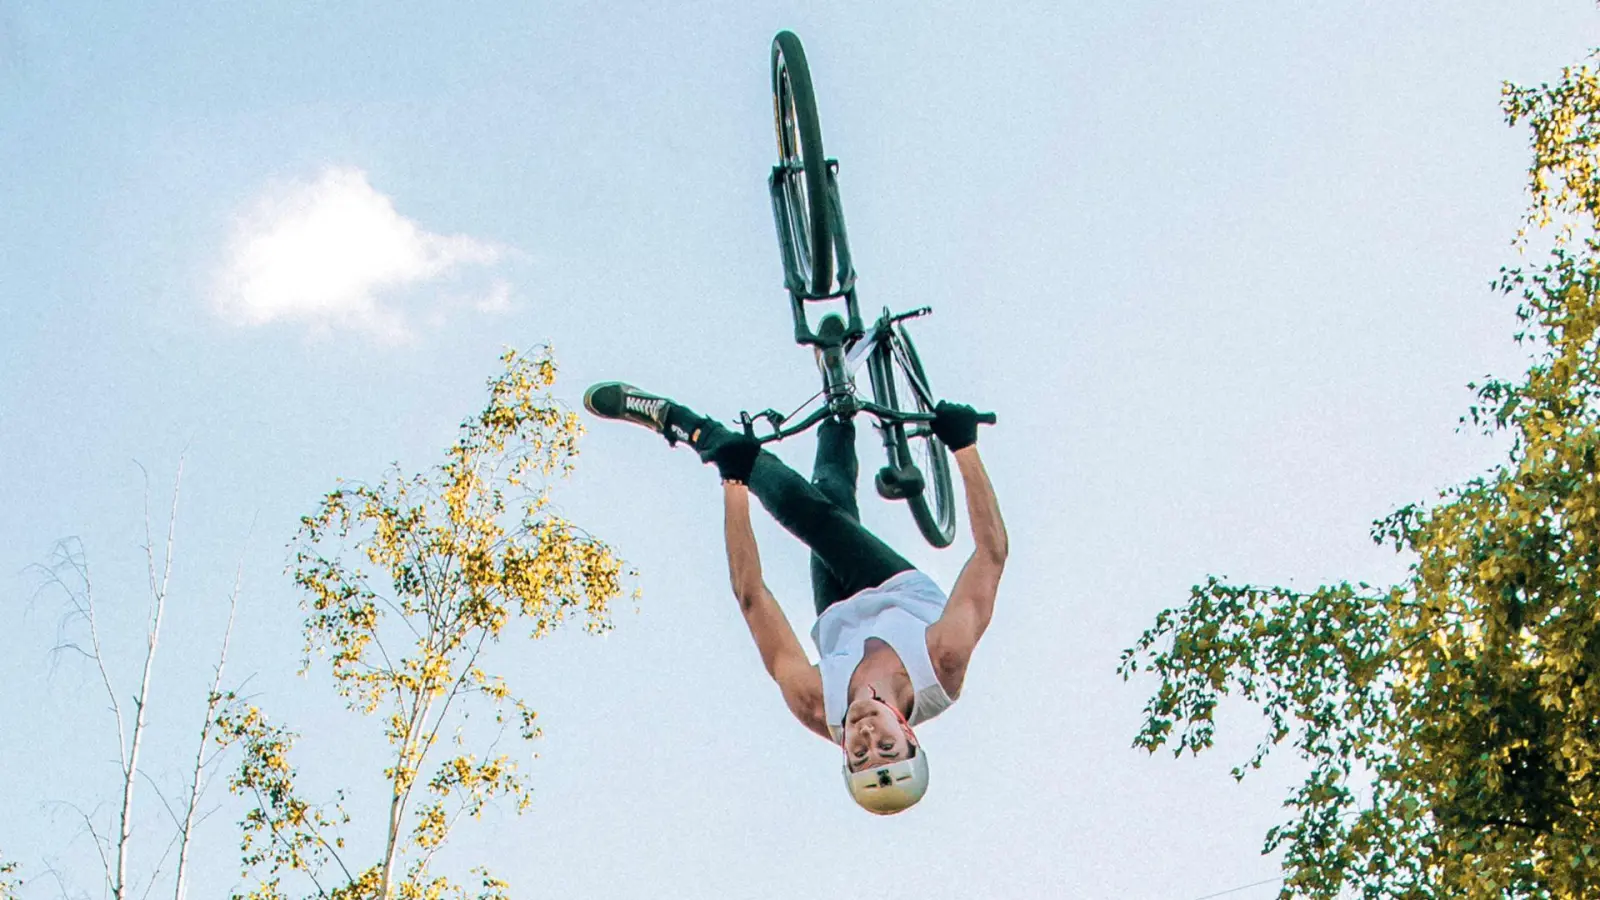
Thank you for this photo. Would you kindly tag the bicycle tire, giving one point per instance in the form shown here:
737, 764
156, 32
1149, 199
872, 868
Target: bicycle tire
799, 131
900, 383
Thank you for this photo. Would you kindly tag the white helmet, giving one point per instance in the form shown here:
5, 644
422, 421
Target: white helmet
885, 790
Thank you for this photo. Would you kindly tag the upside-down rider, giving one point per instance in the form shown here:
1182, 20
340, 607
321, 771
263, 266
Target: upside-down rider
893, 648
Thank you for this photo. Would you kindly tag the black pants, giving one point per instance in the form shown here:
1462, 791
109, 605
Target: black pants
845, 557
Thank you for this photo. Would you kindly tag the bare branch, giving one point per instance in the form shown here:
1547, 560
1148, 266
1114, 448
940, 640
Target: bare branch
101, 845
61, 883
155, 873
197, 785
158, 602
68, 554
165, 804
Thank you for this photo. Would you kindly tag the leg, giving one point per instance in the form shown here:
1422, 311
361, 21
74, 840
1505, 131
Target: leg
823, 516
854, 556
834, 475
835, 469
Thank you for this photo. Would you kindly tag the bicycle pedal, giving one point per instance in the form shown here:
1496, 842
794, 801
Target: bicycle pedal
898, 484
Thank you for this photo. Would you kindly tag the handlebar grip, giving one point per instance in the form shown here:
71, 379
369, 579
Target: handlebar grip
986, 418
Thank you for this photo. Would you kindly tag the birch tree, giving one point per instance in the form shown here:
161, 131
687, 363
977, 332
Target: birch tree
114, 841
408, 584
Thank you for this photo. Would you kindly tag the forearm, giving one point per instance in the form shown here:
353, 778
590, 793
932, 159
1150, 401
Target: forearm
988, 529
744, 560
775, 640
971, 605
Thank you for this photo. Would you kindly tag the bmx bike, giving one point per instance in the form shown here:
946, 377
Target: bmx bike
817, 267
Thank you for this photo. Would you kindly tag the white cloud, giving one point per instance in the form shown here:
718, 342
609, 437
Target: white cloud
333, 253
498, 300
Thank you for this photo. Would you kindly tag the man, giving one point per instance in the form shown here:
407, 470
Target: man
893, 648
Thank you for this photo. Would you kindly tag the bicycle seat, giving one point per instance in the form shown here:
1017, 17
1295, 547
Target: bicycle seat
830, 331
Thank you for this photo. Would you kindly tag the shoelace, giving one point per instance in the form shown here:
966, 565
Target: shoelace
643, 406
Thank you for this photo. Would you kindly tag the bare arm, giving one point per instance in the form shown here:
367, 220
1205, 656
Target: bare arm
966, 616
780, 650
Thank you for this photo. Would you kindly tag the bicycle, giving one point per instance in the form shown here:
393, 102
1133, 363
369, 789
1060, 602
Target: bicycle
817, 267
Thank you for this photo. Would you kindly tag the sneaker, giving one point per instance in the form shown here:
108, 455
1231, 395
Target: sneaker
626, 403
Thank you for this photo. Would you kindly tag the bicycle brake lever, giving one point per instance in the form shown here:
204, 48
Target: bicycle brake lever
912, 314
774, 419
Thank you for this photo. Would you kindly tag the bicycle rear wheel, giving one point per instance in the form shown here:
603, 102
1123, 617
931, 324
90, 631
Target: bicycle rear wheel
899, 382
800, 157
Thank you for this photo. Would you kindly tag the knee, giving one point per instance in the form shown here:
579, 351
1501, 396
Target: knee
833, 486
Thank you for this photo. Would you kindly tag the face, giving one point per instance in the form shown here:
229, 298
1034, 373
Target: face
874, 735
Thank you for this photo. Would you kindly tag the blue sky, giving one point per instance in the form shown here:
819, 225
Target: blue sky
1221, 268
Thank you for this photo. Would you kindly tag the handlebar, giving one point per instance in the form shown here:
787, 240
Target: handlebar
777, 421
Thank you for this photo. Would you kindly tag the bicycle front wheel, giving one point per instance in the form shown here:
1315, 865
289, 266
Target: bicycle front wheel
899, 382
800, 157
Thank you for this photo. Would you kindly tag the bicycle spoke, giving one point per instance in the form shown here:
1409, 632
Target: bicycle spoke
908, 369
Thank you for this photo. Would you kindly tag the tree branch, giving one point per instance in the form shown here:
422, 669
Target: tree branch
197, 784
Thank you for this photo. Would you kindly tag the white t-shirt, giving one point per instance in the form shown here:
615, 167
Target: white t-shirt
897, 612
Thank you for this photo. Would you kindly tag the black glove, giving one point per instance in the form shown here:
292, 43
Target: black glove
956, 424
735, 457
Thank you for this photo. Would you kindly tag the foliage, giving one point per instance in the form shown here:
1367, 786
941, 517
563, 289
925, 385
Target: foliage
10, 884
1452, 721
407, 583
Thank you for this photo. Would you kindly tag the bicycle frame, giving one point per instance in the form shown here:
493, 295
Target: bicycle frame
809, 218
855, 344
839, 383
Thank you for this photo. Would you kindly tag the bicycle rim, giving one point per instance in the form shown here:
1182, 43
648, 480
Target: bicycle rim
934, 509
800, 156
